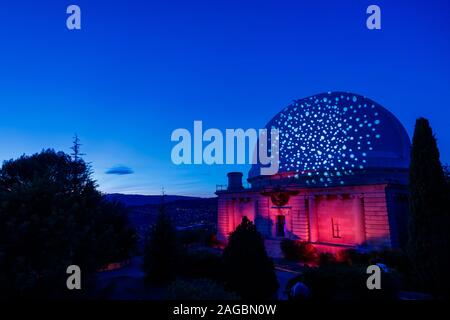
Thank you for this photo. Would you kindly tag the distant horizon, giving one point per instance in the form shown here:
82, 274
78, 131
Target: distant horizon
154, 195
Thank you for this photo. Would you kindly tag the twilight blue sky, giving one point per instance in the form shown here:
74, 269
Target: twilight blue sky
140, 69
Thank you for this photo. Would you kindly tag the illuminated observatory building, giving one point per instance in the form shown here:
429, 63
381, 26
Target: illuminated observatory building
342, 178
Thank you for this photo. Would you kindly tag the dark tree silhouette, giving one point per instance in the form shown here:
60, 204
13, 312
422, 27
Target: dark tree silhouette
81, 171
76, 146
49, 220
429, 225
248, 269
162, 250
447, 177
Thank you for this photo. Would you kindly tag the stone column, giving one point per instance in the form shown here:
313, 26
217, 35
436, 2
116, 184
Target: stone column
233, 214
313, 227
358, 204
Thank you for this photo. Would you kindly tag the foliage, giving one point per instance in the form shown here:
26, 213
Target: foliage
429, 225
201, 263
248, 269
342, 282
52, 216
199, 289
446, 169
393, 258
352, 257
162, 250
326, 258
296, 250
197, 236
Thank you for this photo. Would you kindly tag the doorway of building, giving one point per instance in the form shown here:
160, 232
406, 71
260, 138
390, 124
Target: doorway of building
281, 222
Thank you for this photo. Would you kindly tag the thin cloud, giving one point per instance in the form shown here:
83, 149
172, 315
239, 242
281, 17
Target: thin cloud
119, 170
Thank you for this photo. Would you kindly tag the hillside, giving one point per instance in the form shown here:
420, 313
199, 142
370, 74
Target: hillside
129, 200
185, 212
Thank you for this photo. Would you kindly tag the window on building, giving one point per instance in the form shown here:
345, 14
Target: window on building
335, 228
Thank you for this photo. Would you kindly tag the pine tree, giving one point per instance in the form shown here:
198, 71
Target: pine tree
249, 271
429, 225
80, 169
76, 146
162, 250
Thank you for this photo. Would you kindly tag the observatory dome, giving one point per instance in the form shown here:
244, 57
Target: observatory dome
336, 137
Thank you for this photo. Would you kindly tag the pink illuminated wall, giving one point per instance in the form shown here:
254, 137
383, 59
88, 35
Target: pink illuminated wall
351, 215
231, 209
339, 219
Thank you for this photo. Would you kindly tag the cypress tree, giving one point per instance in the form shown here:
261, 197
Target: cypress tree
161, 251
248, 269
429, 223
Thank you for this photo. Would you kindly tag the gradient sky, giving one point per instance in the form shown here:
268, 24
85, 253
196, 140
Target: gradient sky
140, 69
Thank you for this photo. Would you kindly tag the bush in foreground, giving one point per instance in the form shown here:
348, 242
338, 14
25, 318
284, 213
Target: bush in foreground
199, 289
201, 263
341, 282
248, 269
296, 250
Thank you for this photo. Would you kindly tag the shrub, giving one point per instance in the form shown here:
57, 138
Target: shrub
289, 249
199, 289
393, 258
201, 263
248, 270
212, 240
195, 236
352, 257
296, 250
341, 282
326, 259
